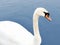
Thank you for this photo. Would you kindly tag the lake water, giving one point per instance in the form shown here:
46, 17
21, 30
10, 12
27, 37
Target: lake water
21, 11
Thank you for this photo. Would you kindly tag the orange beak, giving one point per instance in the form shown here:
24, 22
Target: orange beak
48, 18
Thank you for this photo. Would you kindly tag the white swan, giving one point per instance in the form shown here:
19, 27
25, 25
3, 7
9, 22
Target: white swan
12, 33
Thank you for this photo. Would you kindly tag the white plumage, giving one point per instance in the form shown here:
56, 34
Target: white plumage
12, 33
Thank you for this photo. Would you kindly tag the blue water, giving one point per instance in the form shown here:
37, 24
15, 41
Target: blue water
21, 11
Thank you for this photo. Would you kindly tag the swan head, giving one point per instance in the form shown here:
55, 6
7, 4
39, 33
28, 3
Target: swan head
43, 12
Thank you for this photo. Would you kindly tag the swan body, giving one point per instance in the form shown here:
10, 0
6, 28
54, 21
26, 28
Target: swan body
12, 33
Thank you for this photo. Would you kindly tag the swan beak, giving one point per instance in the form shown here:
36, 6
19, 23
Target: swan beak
48, 18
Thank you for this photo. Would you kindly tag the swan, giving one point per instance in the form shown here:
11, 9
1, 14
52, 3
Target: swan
12, 33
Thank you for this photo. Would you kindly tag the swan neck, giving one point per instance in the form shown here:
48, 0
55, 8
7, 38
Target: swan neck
35, 26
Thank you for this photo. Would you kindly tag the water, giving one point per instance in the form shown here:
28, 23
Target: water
21, 11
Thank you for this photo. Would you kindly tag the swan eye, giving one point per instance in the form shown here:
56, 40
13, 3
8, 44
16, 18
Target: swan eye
46, 14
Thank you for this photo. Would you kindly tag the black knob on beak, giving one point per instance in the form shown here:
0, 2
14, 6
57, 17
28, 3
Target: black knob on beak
47, 16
